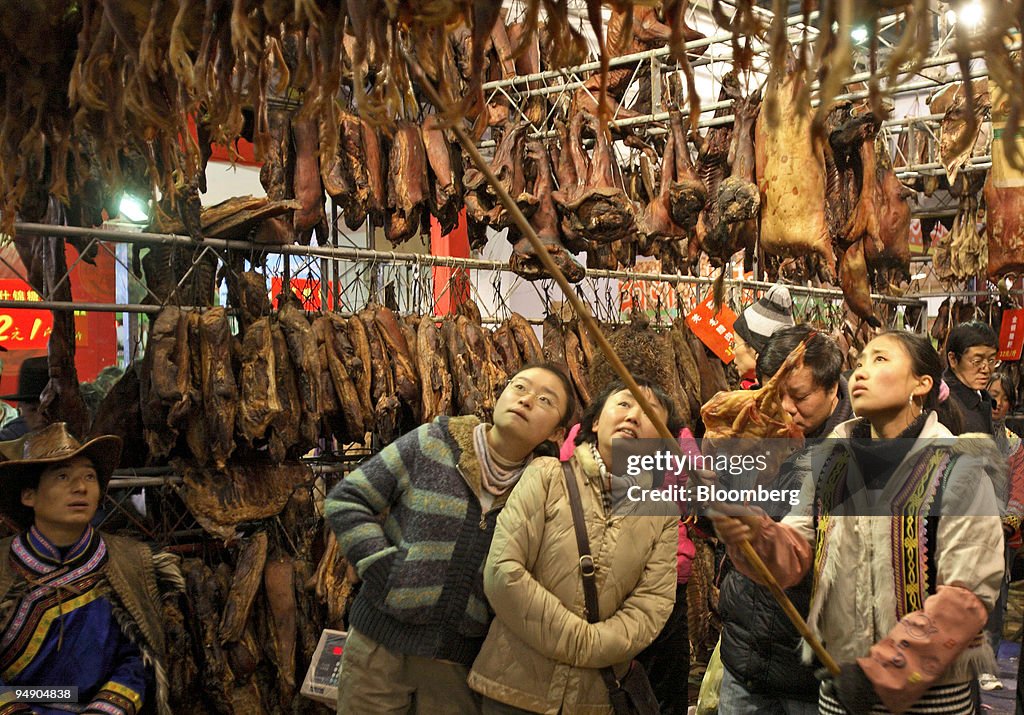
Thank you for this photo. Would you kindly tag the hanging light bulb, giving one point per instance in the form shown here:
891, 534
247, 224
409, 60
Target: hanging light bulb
971, 14
859, 34
133, 209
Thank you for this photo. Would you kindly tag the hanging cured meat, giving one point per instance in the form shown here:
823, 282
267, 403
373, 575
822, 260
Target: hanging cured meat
791, 176
853, 279
890, 257
729, 223
687, 193
595, 207
1004, 198
407, 184
524, 260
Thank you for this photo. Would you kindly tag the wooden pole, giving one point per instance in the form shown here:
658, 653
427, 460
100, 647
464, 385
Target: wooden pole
597, 335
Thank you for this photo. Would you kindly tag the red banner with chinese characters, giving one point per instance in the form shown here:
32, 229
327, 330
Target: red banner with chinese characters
307, 290
26, 331
1011, 335
713, 329
648, 297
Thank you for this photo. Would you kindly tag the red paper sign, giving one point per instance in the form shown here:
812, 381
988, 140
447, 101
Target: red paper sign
713, 329
307, 290
1011, 335
648, 297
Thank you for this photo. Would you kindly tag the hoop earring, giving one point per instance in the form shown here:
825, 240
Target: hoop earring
920, 409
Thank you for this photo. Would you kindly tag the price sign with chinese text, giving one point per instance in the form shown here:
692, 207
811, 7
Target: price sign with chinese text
713, 329
1011, 335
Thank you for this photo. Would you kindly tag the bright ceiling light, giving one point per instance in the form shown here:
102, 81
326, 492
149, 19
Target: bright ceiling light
971, 14
918, 276
133, 209
859, 34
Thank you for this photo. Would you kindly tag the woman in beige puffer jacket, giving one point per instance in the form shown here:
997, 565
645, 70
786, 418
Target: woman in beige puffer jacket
541, 655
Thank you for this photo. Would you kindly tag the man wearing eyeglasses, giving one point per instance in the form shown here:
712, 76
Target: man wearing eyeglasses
971, 350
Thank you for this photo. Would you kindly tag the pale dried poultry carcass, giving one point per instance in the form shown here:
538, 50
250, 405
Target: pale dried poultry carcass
968, 247
791, 176
753, 416
524, 260
1004, 198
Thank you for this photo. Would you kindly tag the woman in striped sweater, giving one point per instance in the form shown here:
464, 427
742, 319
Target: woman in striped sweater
415, 522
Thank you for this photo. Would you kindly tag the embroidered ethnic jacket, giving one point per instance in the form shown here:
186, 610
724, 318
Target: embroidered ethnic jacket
88, 616
906, 596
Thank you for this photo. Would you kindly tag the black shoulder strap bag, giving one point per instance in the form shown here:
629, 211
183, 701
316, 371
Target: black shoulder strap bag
632, 695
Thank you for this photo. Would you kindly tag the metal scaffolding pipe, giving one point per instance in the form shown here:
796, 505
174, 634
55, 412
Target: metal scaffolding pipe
362, 254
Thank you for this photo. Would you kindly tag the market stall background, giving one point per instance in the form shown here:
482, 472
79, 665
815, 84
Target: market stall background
318, 267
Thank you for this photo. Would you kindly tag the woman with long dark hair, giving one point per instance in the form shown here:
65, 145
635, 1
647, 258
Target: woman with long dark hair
901, 527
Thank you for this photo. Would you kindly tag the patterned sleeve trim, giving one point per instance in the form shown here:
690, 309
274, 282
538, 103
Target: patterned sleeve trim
116, 699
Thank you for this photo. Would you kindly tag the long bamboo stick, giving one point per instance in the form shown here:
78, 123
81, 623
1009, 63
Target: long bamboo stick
597, 335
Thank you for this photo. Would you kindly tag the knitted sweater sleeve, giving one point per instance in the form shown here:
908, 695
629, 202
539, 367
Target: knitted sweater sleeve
355, 505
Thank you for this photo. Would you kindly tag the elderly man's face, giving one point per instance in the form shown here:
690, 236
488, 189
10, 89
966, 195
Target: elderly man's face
806, 402
67, 497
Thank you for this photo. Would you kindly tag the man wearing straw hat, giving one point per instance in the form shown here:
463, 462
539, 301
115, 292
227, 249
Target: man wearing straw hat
77, 608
